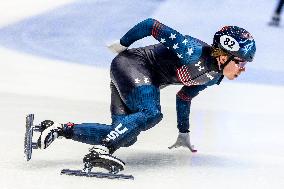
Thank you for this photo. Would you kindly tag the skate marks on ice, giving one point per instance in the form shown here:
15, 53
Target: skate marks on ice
145, 160
169, 167
141, 161
142, 164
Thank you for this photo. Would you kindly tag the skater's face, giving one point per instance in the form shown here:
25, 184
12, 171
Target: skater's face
234, 68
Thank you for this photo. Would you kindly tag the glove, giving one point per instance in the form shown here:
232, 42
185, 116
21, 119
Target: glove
183, 139
116, 47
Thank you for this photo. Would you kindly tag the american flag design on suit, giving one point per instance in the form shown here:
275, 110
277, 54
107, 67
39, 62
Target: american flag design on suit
184, 76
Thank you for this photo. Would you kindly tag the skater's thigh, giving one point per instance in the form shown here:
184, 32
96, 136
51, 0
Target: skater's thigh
117, 106
128, 72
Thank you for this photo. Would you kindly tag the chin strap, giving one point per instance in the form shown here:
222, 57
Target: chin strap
222, 66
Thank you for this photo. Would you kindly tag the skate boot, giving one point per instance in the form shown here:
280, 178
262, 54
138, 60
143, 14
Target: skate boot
275, 21
99, 157
49, 132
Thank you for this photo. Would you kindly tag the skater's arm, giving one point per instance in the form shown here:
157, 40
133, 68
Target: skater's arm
183, 103
187, 48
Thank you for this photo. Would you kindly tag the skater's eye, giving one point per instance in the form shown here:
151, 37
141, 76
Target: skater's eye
241, 63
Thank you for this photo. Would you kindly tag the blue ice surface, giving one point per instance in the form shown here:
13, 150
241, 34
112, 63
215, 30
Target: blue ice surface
78, 33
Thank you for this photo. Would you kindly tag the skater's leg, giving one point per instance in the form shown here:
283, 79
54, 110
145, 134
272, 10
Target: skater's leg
99, 155
145, 102
135, 107
118, 108
137, 89
275, 21
279, 7
90, 133
94, 133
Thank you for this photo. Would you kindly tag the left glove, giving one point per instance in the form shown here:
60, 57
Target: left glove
183, 140
116, 47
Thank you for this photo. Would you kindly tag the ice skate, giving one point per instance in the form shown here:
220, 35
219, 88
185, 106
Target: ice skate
49, 132
29, 142
99, 157
29, 145
40, 136
275, 21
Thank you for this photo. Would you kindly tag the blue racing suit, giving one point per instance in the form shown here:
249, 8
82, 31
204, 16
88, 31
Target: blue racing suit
138, 74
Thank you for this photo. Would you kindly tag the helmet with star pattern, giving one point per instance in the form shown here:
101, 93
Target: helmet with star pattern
235, 41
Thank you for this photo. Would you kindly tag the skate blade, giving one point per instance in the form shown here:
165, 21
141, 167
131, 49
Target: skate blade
29, 145
95, 174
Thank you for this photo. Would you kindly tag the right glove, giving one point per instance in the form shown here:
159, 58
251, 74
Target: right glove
183, 140
116, 47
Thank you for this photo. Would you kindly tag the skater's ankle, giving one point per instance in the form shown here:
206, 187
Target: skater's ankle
67, 130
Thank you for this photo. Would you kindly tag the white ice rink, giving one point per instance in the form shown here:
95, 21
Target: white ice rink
236, 127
